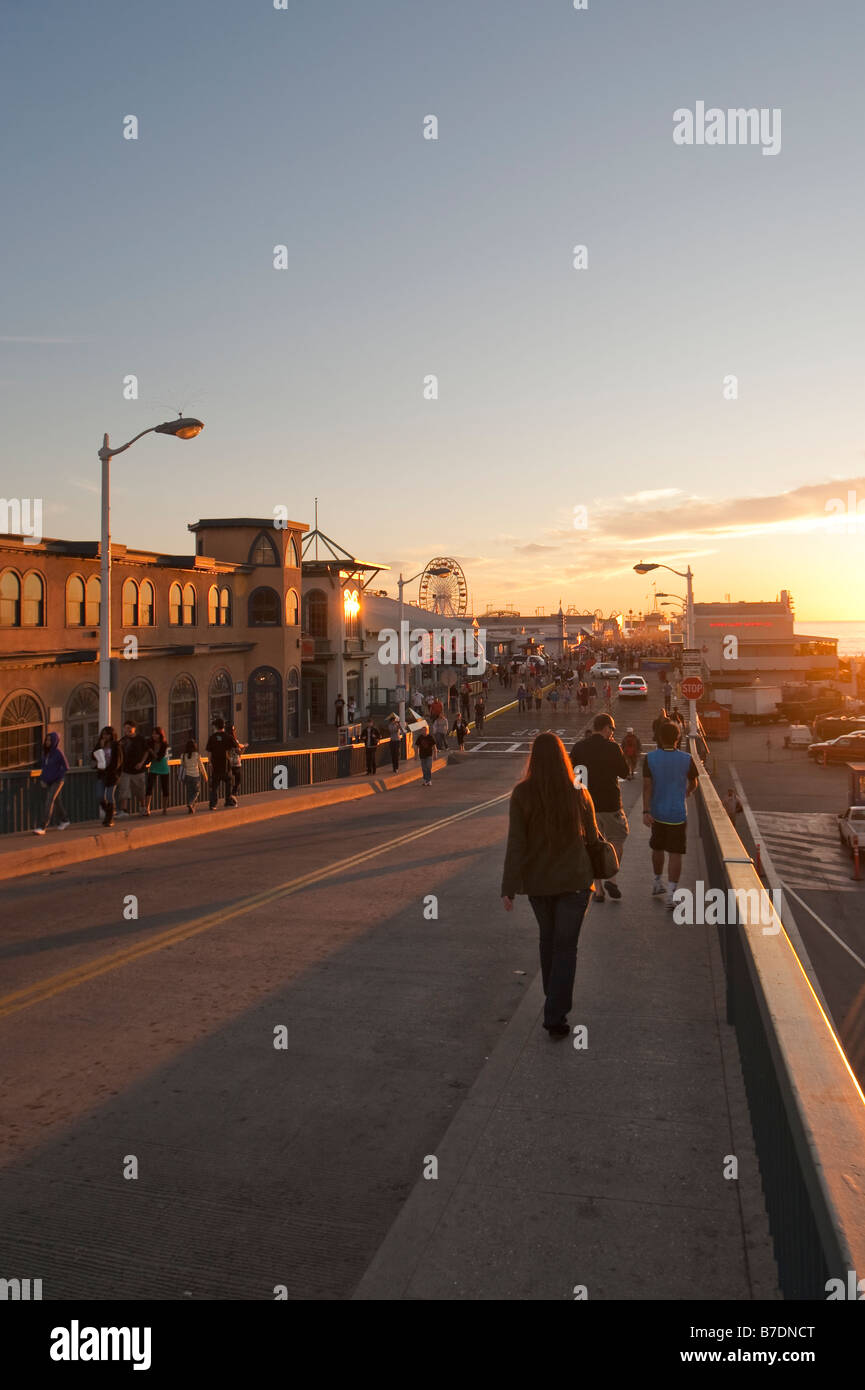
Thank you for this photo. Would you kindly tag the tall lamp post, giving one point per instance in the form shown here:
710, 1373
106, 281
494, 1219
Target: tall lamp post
644, 568
402, 583
184, 427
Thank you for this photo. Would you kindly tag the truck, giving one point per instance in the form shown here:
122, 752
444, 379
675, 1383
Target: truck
756, 704
852, 826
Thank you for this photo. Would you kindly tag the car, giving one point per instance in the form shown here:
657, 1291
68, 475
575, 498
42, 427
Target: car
633, 687
799, 736
851, 824
847, 748
605, 671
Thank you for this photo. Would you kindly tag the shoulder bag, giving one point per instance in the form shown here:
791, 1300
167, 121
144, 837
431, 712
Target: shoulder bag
602, 855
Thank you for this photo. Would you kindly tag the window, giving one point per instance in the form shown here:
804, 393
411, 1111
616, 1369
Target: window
74, 601
263, 551
218, 607
225, 608
292, 608
82, 725
175, 602
21, 731
265, 725
189, 618
182, 714
220, 698
139, 705
291, 557
93, 601
316, 613
146, 604
10, 600
129, 599
212, 605
292, 703
264, 608
33, 601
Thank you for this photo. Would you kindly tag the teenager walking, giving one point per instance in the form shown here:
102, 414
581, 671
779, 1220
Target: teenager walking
51, 779
108, 759
551, 825
669, 778
192, 774
157, 771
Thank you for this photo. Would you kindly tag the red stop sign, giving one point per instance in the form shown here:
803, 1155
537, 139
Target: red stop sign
692, 687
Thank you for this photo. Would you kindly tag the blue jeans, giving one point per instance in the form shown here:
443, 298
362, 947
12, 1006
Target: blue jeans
426, 768
560, 917
105, 794
192, 787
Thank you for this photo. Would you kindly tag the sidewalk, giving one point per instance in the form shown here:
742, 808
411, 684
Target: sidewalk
25, 854
599, 1168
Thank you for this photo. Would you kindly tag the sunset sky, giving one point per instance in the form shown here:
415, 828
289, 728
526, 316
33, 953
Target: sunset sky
558, 388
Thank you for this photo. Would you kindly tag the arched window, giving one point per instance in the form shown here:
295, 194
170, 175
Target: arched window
292, 559
292, 703
263, 551
175, 605
22, 727
10, 600
213, 605
265, 721
74, 601
225, 607
189, 618
264, 608
139, 705
315, 603
292, 608
82, 725
93, 601
129, 602
33, 601
146, 604
182, 714
221, 698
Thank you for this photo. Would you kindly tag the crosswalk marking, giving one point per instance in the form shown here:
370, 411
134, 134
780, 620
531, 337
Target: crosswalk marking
806, 850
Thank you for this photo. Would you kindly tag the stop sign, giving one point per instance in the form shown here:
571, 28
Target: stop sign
692, 687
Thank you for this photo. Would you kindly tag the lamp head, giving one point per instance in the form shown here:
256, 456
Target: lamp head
184, 427
643, 568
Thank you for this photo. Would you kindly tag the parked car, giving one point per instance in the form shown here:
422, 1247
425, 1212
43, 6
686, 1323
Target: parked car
852, 823
633, 687
605, 671
799, 736
847, 748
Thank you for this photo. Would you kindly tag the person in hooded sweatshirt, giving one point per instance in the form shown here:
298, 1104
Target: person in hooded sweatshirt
54, 770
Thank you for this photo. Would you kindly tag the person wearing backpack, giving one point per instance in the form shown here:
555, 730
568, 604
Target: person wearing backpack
235, 762
54, 770
632, 748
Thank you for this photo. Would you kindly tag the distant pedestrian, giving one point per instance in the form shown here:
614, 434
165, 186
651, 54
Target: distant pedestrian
219, 745
235, 762
553, 699
107, 757
440, 732
632, 748
133, 778
480, 709
522, 697
370, 738
566, 698
551, 824
157, 771
669, 778
192, 774
608, 693
539, 698
51, 779
352, 709
425, 747
657, 724
394, 733
339, 706
604, 764
436, 709
732, 804
418, 701
453, 699
668, 694
584, 696
461, 729
593, 694
465, 696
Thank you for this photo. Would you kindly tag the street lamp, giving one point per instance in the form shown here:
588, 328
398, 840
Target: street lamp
402, 583
645, 568
184, 427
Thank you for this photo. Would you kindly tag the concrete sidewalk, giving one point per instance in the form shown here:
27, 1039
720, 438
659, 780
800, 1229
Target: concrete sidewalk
601, 1168
24, 853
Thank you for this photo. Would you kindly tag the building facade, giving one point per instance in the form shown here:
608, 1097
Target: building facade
745, 642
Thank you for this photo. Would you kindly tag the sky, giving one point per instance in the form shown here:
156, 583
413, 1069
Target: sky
584, 418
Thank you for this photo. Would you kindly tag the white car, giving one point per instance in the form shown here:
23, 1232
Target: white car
605, 671
633, 687
800, 736
852, 823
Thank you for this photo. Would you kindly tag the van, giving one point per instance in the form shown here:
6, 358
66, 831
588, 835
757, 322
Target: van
798, 736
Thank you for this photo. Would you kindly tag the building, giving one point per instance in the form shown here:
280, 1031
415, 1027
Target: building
217, 632
745, 642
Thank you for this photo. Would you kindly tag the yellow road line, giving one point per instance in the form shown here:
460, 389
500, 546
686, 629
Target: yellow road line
78, 975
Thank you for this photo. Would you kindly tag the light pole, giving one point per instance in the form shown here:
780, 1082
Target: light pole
184, 427
644, 568
402, 583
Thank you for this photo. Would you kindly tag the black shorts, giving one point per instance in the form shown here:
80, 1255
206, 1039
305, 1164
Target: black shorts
669, 839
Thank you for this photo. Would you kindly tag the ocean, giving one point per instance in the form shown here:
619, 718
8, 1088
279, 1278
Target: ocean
851, 635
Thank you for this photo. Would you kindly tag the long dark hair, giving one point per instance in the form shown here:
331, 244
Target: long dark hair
553, 802
157, 738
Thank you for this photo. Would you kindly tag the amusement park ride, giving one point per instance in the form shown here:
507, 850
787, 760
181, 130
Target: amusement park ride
443, 588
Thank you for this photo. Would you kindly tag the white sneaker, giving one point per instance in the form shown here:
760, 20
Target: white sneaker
64, 825
39, 830
658, 890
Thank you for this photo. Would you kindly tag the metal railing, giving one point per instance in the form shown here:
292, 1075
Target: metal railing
807, 1109
22, 799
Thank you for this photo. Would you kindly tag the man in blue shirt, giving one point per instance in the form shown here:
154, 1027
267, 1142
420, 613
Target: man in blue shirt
669, 777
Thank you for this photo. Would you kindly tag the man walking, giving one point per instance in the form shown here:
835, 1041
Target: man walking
133, 779
425, 746
604, 763
340, 710
219, 746
394, 732
370, 737
479, 713
632, 748
669, 778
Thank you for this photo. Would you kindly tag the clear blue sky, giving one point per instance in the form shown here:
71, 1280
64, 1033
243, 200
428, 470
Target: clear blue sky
558, 388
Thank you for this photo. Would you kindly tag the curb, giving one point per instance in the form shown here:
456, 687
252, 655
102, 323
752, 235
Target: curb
35, 859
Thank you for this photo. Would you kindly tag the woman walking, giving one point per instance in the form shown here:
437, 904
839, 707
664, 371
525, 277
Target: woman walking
551, 824
157, 770
108, 758
192, 774
440, 733
461, 729
235, 761
54, 770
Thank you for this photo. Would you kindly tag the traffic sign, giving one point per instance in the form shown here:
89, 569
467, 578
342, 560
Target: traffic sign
401, 693
692, 687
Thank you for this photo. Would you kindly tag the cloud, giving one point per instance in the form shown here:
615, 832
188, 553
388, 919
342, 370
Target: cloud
10, 338
534, 547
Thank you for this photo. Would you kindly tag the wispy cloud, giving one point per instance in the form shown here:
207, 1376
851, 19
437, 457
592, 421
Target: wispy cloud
13, 338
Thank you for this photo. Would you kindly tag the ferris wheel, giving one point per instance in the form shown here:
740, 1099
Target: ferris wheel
443, 588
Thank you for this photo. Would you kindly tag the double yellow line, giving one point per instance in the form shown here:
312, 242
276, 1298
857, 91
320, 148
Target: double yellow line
79, 975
